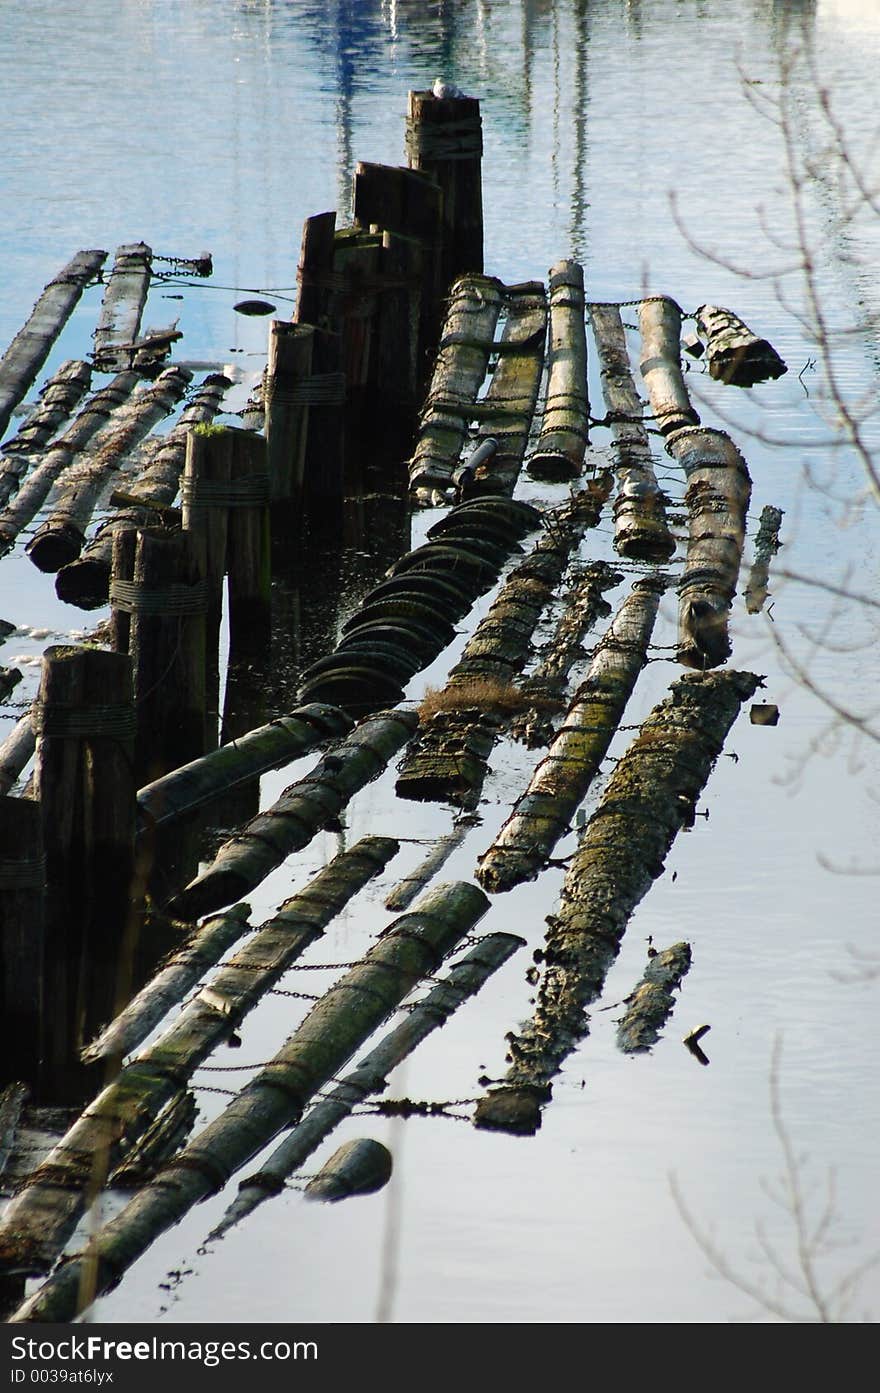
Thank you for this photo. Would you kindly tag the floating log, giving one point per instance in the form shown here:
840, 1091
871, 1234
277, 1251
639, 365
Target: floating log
336, 1026
505, 413
160, 1141
22, 932
640, 527
86, 581
358, 1167
650, 1004
565, 435
444, 138
42, 1217
650, 796
767, 544
12, 1100
717, 499
125, 295
16, 750
660, 364
58, 398
61, 537
9, 680
459, 369
406, 889
93, 418
735, 355
558, 786
31, 346
293, 819
463, 980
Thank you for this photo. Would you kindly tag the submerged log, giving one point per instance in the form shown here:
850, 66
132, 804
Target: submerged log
31, 346
463, 980
559, 784
767, 544
505, 413
358, 1167
336, 1026
650, 1004
735, 355
717, 500
565, 435
444, 139
649, 798
125, 295
660, 364
640, 527
42, 1217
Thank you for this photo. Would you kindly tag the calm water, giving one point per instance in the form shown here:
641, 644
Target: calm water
634, 136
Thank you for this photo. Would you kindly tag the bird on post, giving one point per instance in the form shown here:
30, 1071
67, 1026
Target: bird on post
443, 89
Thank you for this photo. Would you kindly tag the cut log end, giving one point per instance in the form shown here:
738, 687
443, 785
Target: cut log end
514, 1108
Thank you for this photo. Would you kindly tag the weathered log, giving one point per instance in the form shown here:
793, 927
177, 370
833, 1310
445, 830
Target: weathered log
30, 348
61, 537
12, 1100
22, 939
444, 139
558, 786
125, 295
717, 499
336, 1026
640, 527
505, 413
650, 1003
463, 980
559, 453
16, 750
660, 364
767, 544
9, 680
205, 491
41, 1218
358, 1167
58, 398
735, 355
294, 818
650, 796
161, 1140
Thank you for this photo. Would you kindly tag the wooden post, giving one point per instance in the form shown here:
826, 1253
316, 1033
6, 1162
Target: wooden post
22, 927
660, 364
288, 368
248, 558
444, 139
205, 486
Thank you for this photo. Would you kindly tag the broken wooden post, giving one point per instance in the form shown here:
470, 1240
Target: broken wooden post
444, 138
559, 453
660, 364
22, 928
735, 355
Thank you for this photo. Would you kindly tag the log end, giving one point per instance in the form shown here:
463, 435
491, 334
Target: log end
513, 1108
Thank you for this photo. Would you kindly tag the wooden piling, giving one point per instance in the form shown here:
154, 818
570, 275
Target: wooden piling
559, 453
660, 364
22, 932
444, 139
204, 513
119, 318
286, 396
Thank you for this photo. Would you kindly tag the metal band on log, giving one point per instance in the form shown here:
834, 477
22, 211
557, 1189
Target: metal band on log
444, 139
660, 364
559, 453
650, 796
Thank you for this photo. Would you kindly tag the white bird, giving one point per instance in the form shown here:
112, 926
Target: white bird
443, 89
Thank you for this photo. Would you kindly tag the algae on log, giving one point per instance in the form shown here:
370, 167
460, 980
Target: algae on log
565, 435
41, 1218
717, 498
767, 543
348, 1013
650, 796
559, 784
640, 527
505, 413
660, 364
735, 355
293, 819
650, 1003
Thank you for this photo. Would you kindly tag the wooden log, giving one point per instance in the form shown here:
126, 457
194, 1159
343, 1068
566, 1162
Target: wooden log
559, 453
248, 547
640, 527
158, 1144
16, 750
411, 885
86, 581
650, 1003
9, 680
31, 346
286, 397
505, 413
12, 1100
558, 786
42, 1217
59, 397
294, 818
463, 980
61, 537
22, 938
650, 796
444, 139
660, 364
94, 417
767, 544
336, 1026
717, 500
358, 1167
735, 355
391, 419
125, 295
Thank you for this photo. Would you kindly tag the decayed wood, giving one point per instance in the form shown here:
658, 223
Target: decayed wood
248, 547
463, 980
16, 750
30, 348
59, 397
640, 527
650, 1004
9, 680
94, 417
767, 544
41, 1218
60, 538
735, 355
444, 139
559, 453
459, 369
717, 500
660, 364
125, 295
559, 784
358, 1167
650, 796
22, 933
336, 1026
293, 819
505, 413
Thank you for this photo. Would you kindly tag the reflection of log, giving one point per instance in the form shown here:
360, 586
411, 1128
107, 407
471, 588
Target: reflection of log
735, 355
767, 543
559, 453
160, 1141
559, 784
335, 1027
648, 799
717, 499
358, 1167
411, 885
41, 1218
660, 364
125, 295
640, 527
505, 413
294, 818
650, 1004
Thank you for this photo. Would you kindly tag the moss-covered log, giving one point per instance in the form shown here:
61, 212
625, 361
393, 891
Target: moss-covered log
59, 397
559, 453
734, 354
119, 318
660, 364
650, 1003
160, 1142
505, 413
767, 544
650, 796
358, 1167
